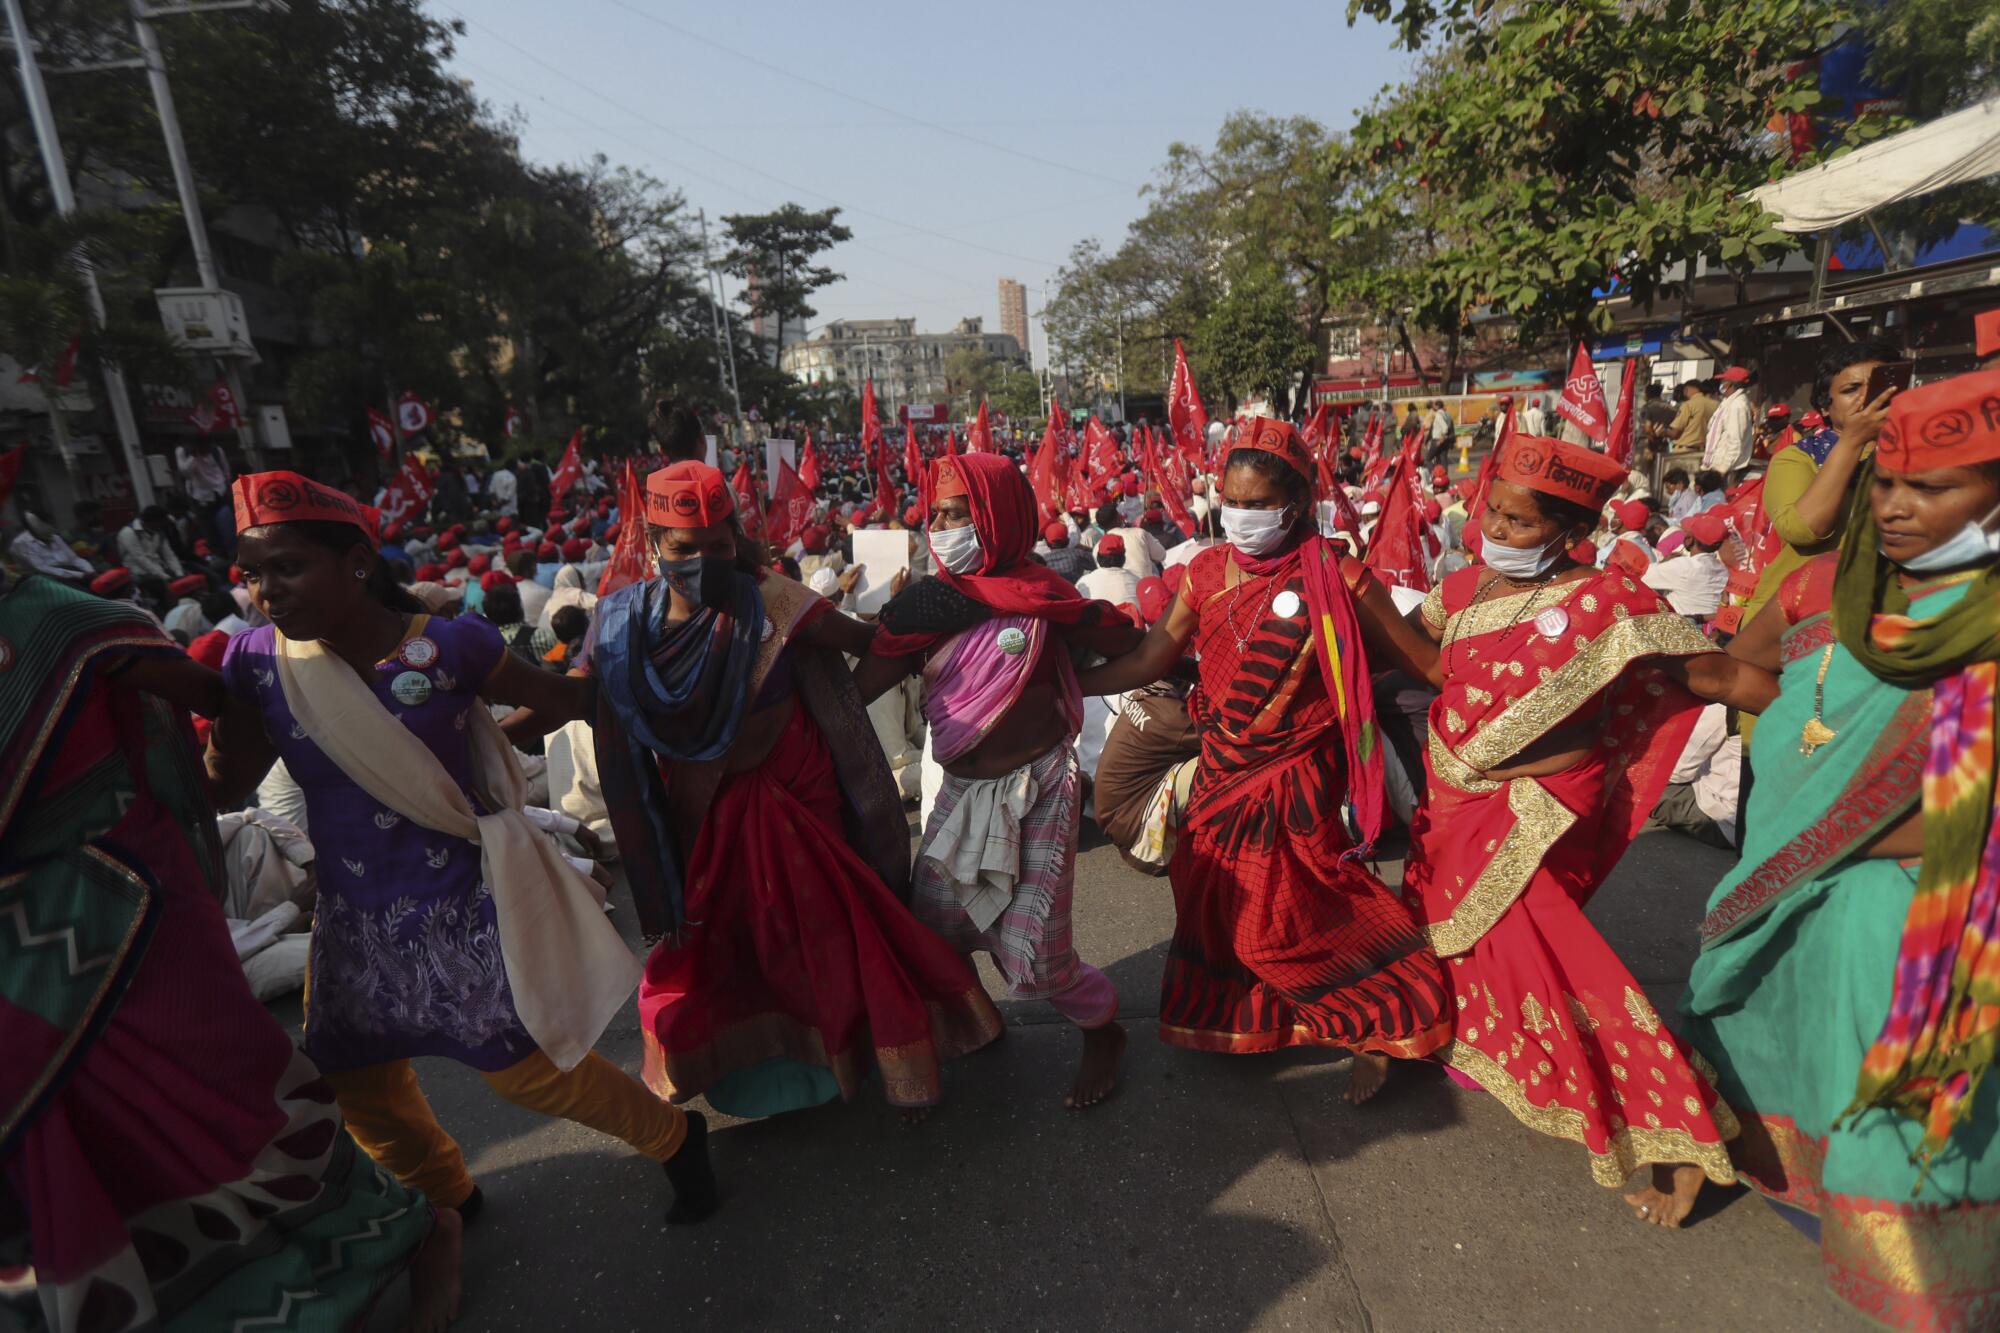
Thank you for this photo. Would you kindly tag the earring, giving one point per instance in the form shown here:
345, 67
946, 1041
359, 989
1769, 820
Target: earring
360, 573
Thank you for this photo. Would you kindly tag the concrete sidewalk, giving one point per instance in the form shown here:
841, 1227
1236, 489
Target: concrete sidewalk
1213, 1192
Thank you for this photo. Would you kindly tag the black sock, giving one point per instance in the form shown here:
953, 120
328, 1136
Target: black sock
691, 1175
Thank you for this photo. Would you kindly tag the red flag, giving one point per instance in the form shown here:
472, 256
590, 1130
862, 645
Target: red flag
1185, 414
1475, 509
412, 412
1618, 441
407, 492
628, 558
950, 443
1048, 470
744, 484
1396, 549
65, 365
1345, 518
888, 496
914, 471
1315, 432
980, 441
1161, 476
809, 466
1371, 444
568, 472
383, 432
791, 507
1101, 450
871, 424
1582, 400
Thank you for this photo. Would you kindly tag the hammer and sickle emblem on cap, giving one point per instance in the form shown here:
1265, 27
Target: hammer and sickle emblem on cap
1947, 429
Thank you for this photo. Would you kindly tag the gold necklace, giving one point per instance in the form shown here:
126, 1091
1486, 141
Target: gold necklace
1816, 732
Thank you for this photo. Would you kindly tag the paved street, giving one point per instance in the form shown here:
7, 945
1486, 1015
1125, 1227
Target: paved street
1211, 1193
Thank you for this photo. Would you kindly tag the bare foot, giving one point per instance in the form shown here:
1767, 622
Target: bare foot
434, 1274
1097, 1076
1669, 1199
1370, 1072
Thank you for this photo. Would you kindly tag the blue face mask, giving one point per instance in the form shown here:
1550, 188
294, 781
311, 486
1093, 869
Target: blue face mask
704, 580
1972, 544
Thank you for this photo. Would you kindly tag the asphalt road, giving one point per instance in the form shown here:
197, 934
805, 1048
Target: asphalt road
1212, 1192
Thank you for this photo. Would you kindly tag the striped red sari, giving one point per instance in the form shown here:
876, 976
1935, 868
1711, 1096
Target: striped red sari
1279, 940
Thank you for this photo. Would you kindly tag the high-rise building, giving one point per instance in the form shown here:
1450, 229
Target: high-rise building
1014, 311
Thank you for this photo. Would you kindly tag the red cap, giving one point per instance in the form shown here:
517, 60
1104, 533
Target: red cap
1153, 598
575, 549
1735, 375
430, 573
1779, 411
1129, 486
1706, 527
287, 497
187, 585
495, 578
1953, 423
111, 580
202, 548
688, 495
454, 559
1053, 532
480, 564
504, 524
208, 649
913, 517
1440, 478
1628, 557
1112, 544
1583, 553
1811, 421
548, 551
1632, 515
1433, 511
236, 573
1566, 471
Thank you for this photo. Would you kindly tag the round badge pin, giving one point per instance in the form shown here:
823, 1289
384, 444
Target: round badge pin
419, 652
1551, 621
1012, 642
1285, 605
411, 688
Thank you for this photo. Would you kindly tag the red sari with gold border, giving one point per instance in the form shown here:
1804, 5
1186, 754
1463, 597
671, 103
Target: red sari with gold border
1279, 938
1548, 1019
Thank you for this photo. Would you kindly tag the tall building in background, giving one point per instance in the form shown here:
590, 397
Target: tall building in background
1014, 311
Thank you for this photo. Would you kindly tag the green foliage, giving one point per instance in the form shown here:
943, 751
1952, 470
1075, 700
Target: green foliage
775, 251
1250, 343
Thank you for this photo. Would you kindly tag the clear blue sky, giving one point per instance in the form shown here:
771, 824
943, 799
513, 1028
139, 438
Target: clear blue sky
1075, 104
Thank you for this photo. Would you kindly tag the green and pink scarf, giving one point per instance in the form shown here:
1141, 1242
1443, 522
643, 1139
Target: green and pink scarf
1943, 1029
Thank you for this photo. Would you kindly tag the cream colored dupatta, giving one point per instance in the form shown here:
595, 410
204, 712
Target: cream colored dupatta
566, 965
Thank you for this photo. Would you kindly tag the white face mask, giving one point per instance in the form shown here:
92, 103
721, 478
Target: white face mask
956, 549
1255, 531
1970, 545
1520, 562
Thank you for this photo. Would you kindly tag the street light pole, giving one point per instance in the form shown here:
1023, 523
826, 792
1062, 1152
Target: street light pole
44, 120
724, 334
184, 184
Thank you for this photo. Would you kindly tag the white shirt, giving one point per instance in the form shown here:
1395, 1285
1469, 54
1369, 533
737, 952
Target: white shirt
1143, 552
1712, 763
52, 557
1730, 438
1116, 586
1692, 584
1440, 425
186, 617
501, 489
1185, 551
206, 476
1687, 502
533, 598
147, 553
1534, 421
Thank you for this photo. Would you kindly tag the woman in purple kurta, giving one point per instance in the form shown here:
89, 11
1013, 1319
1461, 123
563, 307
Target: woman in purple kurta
405, 947
407, 957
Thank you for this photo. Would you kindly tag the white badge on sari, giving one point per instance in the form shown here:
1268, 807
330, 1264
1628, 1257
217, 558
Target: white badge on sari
411, 688
1285, 605
1551, 621
419, 652
1012, 641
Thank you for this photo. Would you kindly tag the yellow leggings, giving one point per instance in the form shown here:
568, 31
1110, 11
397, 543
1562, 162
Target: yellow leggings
389, 1116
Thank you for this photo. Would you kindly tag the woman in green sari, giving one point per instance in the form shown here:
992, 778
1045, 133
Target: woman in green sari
1848, 989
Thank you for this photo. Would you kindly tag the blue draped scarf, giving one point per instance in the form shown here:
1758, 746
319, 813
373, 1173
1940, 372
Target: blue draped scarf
1818, 444
676, 693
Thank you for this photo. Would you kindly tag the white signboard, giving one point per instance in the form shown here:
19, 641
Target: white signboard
710, 458
775, 451
880, 553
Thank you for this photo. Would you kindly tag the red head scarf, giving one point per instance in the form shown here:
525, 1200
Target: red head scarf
688, 495
1007, 581
287, 497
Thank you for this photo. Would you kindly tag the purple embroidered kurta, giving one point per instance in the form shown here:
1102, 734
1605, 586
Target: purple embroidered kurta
405, 949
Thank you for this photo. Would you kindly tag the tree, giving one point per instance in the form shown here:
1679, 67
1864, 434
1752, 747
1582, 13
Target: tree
1547, 153
773, 252
1250, 342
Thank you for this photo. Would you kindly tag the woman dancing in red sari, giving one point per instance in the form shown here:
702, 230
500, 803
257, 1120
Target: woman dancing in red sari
1281, 936
1568, 694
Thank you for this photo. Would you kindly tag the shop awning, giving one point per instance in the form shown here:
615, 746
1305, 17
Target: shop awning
1950, 150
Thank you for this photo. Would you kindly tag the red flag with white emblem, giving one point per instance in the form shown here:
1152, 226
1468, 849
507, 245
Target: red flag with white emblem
1582, 400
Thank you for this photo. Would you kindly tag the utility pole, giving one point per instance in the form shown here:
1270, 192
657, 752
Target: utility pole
725, 336
44, 120
184, 183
